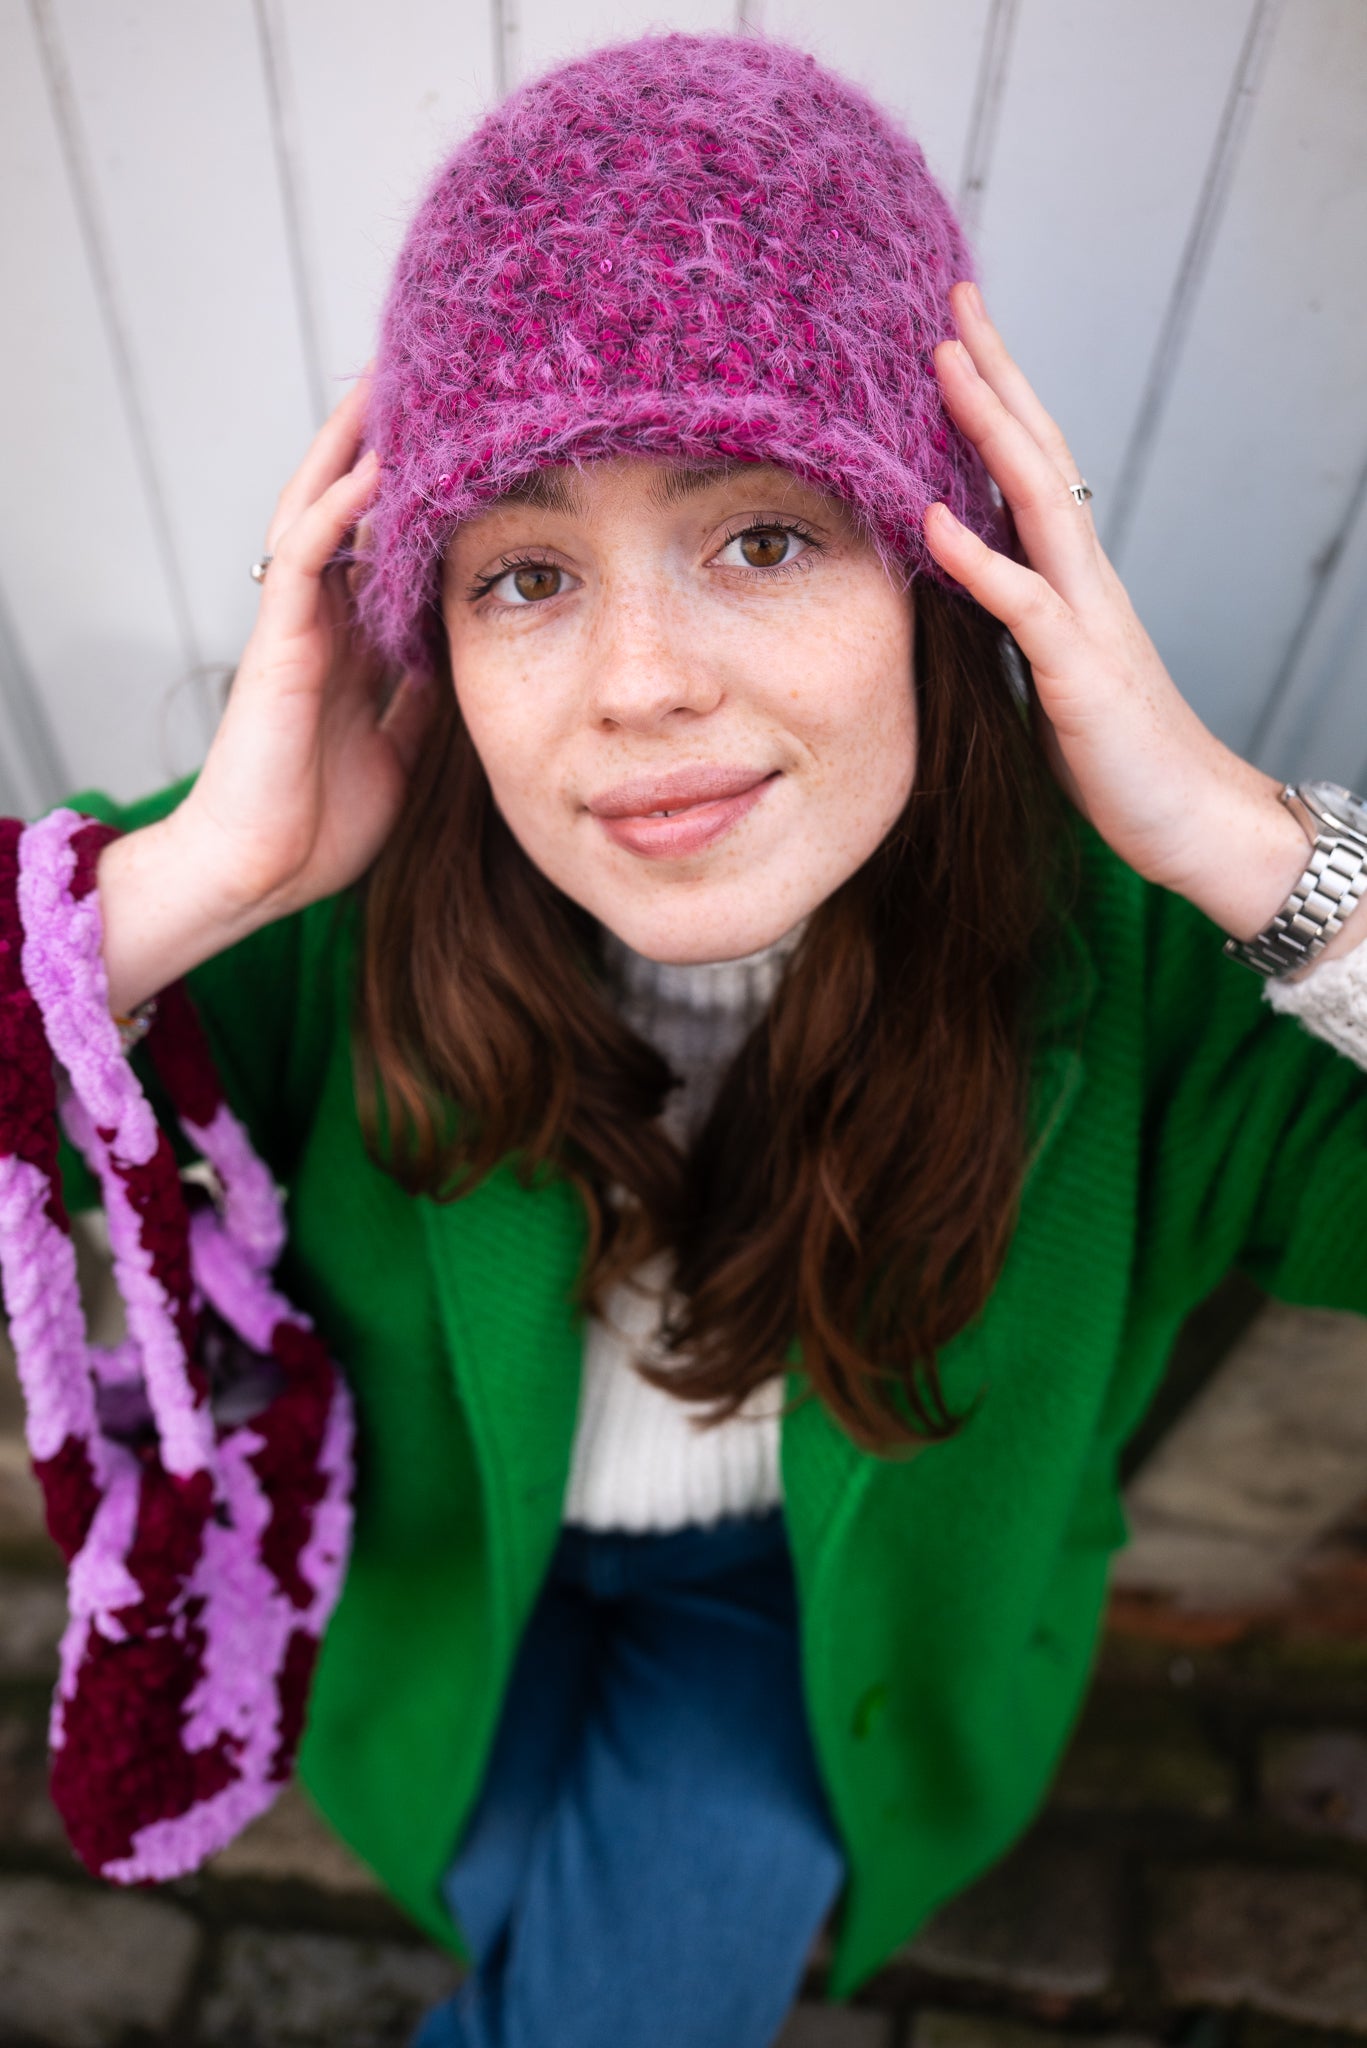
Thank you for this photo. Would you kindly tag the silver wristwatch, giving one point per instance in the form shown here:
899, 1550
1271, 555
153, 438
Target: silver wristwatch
1335, 879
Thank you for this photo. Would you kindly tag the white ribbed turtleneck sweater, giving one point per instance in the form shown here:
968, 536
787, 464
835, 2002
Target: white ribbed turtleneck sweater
638, 1462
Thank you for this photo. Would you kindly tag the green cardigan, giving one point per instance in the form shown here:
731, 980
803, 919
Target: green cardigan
950, 1602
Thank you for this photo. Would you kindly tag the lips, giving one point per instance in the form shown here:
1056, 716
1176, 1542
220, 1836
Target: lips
673, 816
677, 792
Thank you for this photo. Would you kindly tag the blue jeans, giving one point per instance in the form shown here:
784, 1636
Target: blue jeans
651, 1856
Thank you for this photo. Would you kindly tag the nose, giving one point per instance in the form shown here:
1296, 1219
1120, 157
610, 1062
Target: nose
644, 668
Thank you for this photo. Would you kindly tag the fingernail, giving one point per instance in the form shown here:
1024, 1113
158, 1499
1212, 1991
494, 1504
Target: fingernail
965, 358
975, 299
944, 512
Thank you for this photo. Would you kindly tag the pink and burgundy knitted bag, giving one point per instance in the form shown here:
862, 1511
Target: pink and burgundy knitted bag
197, 1475
698, 247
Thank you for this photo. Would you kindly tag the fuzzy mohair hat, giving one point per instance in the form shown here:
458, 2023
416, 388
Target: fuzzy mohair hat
697, 247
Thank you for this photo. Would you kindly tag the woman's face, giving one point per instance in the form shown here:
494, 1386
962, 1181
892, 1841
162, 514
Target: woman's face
633, 638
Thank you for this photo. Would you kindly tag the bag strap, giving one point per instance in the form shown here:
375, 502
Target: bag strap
108, 1117
37, 1255
252, 1213
176, 1044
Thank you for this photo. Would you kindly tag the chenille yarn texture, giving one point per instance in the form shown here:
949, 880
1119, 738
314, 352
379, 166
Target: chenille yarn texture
206, 1540
700, 247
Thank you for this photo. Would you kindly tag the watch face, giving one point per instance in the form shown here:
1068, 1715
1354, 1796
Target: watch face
1350, 811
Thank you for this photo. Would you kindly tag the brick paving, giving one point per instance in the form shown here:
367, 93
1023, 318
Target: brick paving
1199, 1875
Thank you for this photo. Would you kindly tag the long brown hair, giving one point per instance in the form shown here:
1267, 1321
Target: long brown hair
856, 1183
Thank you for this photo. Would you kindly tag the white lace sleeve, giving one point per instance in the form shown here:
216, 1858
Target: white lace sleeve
1331, 1001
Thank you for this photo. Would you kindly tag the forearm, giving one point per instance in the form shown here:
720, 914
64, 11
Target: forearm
159, 919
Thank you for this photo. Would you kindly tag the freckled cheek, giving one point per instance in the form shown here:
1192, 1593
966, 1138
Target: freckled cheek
516, 733
521, 771
842, 718
862, 744
891, 760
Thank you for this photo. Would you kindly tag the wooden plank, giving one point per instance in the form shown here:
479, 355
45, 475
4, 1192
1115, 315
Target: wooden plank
368, 112
1257, 453
1107, 125
94, 612
993, 71
1315, 721
919, 59
33, 775
173, 106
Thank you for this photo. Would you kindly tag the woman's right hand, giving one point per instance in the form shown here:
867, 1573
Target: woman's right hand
303, 780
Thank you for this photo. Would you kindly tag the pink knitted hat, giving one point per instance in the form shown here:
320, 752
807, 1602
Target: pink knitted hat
698, 247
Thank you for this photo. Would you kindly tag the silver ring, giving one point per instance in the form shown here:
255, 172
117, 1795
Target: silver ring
1081, 492
260, 566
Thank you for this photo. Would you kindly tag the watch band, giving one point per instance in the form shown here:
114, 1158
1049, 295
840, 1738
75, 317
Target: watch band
1333, 884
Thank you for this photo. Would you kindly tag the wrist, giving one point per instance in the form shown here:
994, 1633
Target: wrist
1249, 850
1254, 852
229, 893
158, 915
1339, 873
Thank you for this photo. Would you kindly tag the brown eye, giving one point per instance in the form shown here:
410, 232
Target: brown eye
537, 581
764, 546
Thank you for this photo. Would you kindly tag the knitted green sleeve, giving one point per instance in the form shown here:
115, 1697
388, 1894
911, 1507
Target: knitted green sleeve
1256, 1131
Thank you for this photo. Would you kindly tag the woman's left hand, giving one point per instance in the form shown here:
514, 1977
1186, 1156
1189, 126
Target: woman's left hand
1161, 789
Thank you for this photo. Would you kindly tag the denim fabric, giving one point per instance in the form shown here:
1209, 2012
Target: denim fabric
651, 1856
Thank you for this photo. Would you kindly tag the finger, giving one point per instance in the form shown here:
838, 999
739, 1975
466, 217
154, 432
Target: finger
1059, 544
1041, 622
999, 369
330, 454
289, 594
354, 570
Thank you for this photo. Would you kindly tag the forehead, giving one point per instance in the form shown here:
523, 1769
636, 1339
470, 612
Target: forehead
562, 489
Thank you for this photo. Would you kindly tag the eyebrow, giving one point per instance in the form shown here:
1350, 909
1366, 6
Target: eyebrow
553, 490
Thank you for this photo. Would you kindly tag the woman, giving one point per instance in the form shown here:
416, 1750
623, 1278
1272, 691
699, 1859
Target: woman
746, 1031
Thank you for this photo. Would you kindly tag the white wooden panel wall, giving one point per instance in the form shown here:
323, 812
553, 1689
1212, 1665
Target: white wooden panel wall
195, 238
1108, 123
1246, 488
542, 32
370, 99
927, 63
201, 205
95, 629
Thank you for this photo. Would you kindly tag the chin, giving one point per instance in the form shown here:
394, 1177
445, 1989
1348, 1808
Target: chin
687, 935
